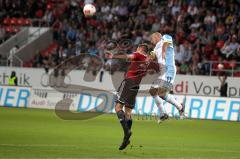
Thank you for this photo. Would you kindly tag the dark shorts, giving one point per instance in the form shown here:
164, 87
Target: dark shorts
127, 92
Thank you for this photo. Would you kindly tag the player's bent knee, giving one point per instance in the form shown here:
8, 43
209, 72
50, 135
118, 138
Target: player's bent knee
162, 93
128, 112
163, 96
128, 115
118, 107
153, 91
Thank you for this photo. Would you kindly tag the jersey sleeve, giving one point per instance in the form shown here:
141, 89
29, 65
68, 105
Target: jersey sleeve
134, 56
167, 39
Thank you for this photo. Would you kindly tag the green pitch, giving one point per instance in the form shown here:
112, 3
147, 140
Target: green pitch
33, 133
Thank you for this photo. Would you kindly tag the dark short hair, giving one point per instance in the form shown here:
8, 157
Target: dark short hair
144, 46
13, 73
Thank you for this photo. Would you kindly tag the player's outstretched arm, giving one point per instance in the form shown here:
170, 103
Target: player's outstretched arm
167, 41
164, 48
120, 56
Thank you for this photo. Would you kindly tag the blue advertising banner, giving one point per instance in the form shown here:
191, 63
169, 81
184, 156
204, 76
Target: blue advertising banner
11, 96
196, 107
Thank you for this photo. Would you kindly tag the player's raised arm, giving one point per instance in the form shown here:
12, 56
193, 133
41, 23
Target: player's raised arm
142, 49
124, 56
164, 48
167, 41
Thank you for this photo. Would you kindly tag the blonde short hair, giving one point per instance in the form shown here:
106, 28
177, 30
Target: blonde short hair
157, 34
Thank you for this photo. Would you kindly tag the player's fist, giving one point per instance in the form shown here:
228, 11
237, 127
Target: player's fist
152, 53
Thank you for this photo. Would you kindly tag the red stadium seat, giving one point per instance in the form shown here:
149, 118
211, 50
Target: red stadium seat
49, 51
27, 64
9, 29
236, 74
27, 22
16, 29
39, 13
7, 21
53, 46
220, 44
226, 64
13, 21
20, 21
49, 6
44, 53
233, 64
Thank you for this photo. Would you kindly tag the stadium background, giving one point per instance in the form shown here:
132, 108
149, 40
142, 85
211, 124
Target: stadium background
199, 33
43, 34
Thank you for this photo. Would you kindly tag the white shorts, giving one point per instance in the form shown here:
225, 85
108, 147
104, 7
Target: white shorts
162, 82
164, 77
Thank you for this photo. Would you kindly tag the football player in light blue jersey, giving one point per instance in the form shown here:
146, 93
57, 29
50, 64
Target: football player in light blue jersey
164, 54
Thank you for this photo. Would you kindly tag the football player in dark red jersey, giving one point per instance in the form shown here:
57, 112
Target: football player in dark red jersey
129, 87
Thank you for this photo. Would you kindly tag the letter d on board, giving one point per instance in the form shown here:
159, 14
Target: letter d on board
81, 106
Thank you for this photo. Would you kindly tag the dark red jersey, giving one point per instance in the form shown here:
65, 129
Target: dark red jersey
138, 66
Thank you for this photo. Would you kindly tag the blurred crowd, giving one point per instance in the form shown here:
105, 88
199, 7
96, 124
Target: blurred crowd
203, 31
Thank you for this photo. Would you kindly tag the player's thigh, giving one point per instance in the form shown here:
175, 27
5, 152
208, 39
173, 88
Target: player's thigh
128, 92
153, 91
162, 92
154, 87
161, 87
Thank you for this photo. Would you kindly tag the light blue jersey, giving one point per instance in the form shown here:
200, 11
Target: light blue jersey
168, 61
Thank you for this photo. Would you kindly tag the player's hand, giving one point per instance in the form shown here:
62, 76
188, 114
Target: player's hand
152, 56
152, 53
169, 79
108, 55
